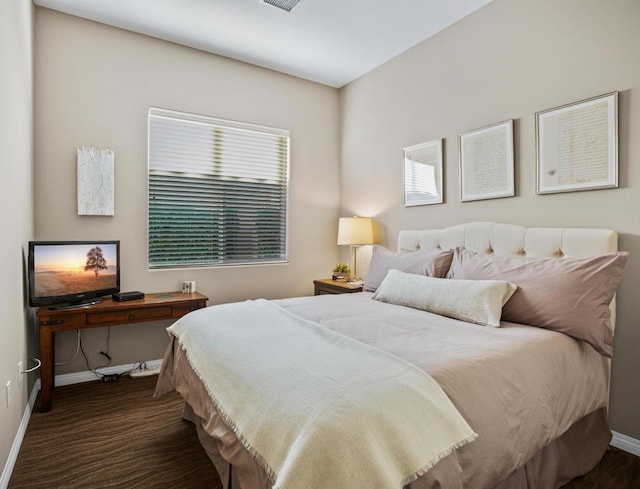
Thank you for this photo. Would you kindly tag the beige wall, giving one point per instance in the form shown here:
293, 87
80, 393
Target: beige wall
16, 221
94, 85
507, 60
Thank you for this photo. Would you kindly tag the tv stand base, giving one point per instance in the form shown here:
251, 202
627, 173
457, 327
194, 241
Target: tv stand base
75, 305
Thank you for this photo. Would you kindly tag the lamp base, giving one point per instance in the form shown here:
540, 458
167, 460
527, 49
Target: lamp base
353, 263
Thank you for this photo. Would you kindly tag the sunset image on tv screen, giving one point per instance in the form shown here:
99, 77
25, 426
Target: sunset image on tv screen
73, 269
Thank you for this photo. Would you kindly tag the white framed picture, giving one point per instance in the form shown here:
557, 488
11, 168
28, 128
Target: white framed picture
577, 146
423, 174
486, 162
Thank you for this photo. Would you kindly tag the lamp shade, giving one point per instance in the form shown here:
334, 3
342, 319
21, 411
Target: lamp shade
355, 231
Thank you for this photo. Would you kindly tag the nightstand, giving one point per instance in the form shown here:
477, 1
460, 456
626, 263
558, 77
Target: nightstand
328, 286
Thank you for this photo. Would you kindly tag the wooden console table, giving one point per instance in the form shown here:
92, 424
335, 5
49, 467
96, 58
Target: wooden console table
154, 307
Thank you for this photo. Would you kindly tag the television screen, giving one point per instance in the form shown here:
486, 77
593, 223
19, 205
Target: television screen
74, 272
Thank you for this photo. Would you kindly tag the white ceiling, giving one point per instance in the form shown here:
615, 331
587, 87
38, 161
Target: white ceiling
328, 41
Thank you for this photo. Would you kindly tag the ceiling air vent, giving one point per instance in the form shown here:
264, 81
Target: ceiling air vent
286, 5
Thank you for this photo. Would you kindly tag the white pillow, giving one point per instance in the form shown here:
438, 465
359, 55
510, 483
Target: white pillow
475, 301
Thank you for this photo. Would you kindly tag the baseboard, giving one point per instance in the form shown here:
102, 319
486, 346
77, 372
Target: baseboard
626, 443
17, 441
88, 375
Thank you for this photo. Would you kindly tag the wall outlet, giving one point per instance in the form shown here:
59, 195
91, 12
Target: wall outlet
20, 373
8, 392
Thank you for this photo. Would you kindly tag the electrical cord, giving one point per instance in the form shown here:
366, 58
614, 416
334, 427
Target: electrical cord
32, 369
139, 365
135, 366
97, 374
106, 354
75, 355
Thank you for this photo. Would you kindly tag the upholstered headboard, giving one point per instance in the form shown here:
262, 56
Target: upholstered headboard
515, 240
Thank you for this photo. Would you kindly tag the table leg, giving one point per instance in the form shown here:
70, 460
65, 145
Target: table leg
46, 371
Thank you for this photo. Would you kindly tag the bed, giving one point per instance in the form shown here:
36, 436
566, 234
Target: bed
535, 397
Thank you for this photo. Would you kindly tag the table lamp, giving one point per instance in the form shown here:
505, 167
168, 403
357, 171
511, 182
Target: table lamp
355, 232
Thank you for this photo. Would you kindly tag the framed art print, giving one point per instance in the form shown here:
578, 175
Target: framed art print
423, 174
577, 146
486, 162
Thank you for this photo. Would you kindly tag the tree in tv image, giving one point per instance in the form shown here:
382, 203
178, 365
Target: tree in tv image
74, 269
95, 261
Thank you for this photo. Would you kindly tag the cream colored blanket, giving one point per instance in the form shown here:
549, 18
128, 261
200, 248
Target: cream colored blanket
315, 408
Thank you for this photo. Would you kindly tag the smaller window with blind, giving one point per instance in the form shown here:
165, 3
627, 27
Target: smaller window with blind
218, 191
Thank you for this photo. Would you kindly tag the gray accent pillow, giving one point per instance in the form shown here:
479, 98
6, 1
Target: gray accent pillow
434, 263
570, 295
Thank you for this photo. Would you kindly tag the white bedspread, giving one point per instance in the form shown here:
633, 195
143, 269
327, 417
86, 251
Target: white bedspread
301, 397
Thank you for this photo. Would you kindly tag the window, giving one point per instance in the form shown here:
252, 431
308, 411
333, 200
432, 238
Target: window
217, 191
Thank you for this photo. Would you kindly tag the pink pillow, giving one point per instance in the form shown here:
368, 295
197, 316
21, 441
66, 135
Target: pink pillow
433, 263
570, 295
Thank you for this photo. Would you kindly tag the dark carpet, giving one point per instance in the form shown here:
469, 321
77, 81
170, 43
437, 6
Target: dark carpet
116, 435
112, 435
617, 470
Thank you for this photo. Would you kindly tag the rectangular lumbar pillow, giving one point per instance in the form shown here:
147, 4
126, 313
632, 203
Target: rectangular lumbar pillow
474, 301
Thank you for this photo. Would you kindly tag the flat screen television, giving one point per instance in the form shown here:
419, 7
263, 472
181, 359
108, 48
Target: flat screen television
72, 273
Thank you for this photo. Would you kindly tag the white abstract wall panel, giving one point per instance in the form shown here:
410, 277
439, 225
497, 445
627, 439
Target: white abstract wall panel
95, 182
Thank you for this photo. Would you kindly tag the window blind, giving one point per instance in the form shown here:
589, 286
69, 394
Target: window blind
217, 191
